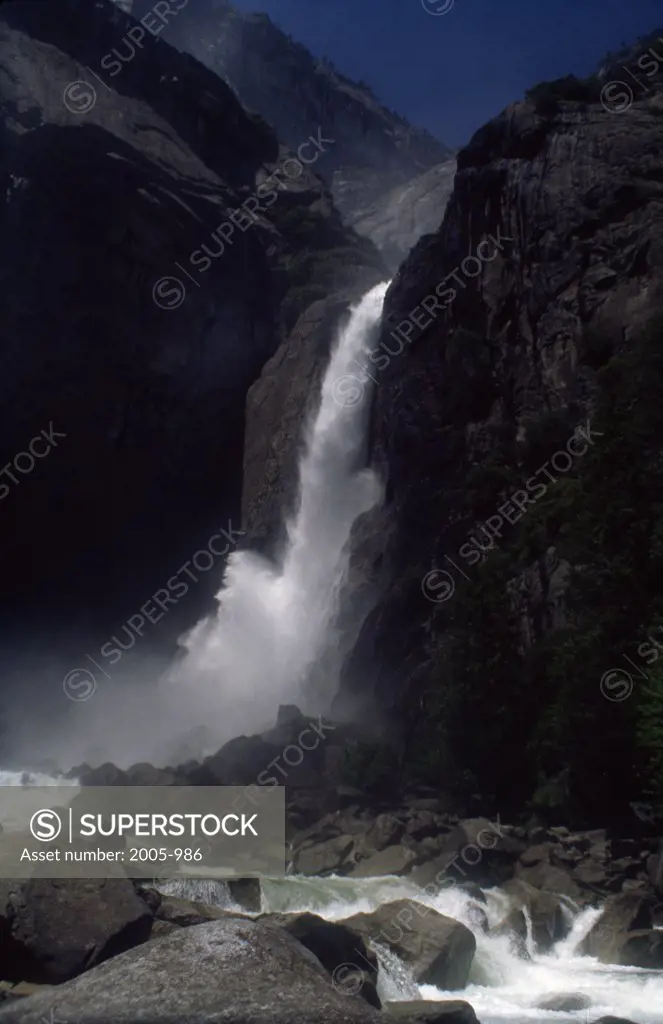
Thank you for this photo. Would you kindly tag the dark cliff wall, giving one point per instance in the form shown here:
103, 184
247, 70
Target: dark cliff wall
510, 584
113, 185
505, 601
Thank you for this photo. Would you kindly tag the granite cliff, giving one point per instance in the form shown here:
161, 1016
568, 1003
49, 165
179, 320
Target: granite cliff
384, 173
135, 313
517, 428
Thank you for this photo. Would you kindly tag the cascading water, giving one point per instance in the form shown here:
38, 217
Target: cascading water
273, 620
504, 986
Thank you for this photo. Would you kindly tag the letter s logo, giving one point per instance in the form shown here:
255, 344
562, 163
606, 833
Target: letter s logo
45, 825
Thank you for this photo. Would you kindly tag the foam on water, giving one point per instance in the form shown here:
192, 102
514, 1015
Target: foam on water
23, 778
504, 987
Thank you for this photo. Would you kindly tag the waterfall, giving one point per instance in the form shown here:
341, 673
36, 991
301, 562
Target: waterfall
274, 619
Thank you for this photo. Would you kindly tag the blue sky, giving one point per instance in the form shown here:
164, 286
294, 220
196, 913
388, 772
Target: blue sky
450, 73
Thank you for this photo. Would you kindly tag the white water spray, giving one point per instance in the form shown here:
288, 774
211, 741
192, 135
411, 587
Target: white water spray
274, 620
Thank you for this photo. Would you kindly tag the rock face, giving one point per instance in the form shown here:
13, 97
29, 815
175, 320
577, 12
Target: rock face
503, 335
438, 949
400, 217
374, 149
235, 972
574, 274
92, 345
55, 929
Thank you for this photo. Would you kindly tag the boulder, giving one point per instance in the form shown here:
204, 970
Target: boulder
353, 967
548, 922
448, 1011
334, 943
54, 929
623, 915
438, 950
386, 830
592, 874
394, 860
235, 971
612, 1020
357, 983
655, 869
551, 879
247, 893
476, 850
425, 824
327, 858
565, 1003
535, 854
186, 913
643, 949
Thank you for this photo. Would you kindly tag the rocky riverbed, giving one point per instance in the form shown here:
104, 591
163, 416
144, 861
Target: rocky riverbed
392, 906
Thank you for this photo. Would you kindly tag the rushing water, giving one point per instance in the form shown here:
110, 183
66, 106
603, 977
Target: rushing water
504, 987
274, 620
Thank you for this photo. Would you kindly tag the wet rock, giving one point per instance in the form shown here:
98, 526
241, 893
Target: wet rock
544, 909
438, 950
425, 824
247, 893
342, 951
395, 860
474, 891
536, 854
448, 1011
565, 1003
612, 1020
385, 831
550, 878
236, 971
56, 928
625, 915
327, 858
642, 949
359, 983
592, 874
655, 869
186, 913
475, 850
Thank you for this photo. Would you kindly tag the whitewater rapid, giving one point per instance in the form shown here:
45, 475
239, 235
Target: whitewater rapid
504, 988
